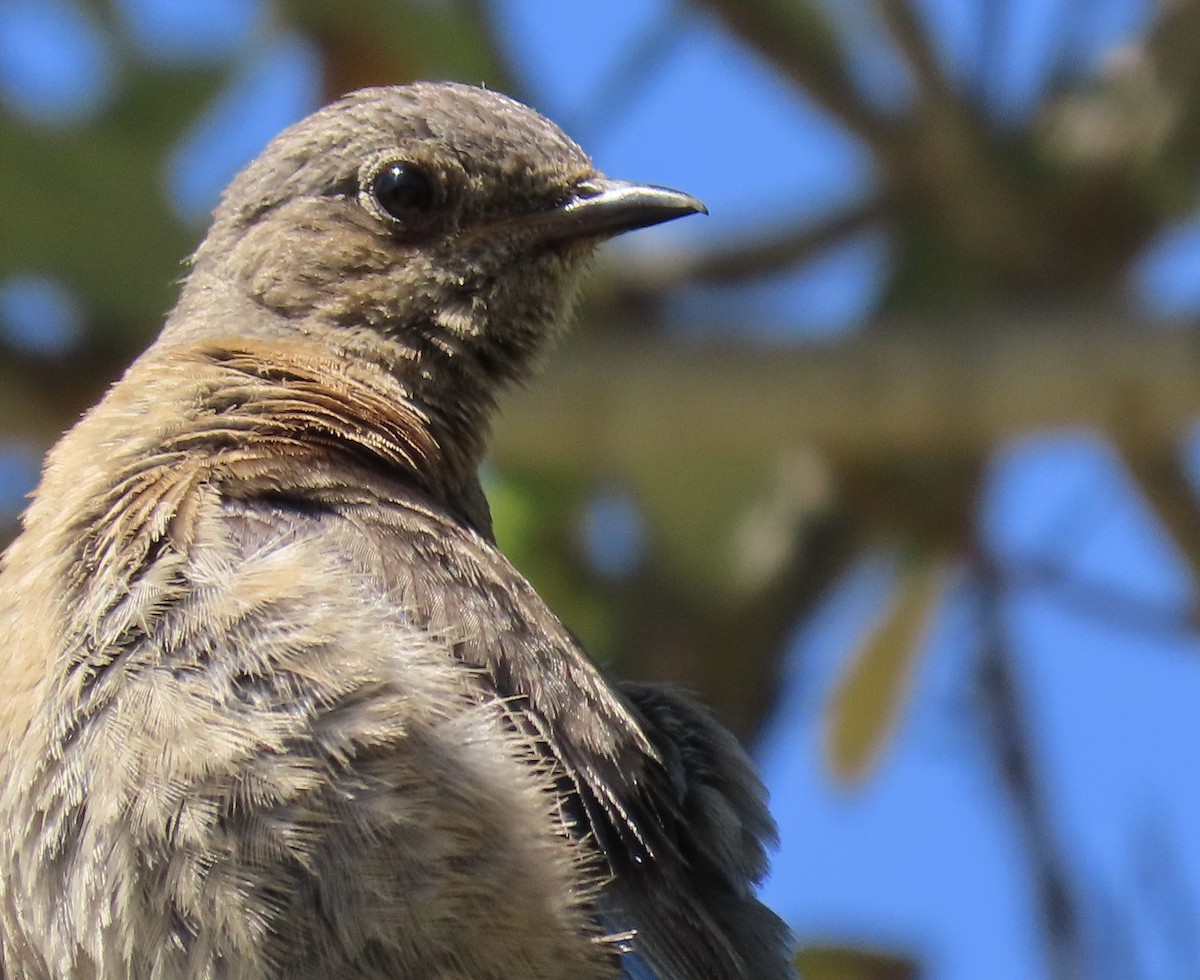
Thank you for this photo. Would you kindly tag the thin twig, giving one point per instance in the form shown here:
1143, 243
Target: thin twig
991, 57
1161, 477
1099, 601
629, 74
796, 37
763, 256
1065, 57
1001, 698
1170, 48
912, 40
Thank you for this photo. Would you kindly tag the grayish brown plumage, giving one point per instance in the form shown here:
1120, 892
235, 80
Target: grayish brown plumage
273, 703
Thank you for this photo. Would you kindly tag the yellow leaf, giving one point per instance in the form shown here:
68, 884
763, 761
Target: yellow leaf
864, 711
840, 963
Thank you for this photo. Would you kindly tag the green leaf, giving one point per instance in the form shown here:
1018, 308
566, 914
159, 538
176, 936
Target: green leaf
841, 963
864, 712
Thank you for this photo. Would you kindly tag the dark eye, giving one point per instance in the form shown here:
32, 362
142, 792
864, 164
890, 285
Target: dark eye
401, 189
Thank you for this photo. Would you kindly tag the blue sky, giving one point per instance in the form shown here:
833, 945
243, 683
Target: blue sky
927, 856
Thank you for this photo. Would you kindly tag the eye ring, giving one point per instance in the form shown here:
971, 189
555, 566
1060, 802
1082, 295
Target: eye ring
400, 190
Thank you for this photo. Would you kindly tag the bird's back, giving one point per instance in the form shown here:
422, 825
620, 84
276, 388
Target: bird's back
261, 761
313, 723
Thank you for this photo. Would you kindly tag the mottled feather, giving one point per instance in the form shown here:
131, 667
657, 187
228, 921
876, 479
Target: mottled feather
274, 704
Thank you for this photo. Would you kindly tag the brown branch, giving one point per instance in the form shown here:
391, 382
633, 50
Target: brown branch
912, 40
1160, 476
1170, 49
629, 74
796, 37
950, 391
1001, 700
940, 162
1098, 600
742, 260
990, 57
1070, 16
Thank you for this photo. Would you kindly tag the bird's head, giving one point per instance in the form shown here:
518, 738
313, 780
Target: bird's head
434, 214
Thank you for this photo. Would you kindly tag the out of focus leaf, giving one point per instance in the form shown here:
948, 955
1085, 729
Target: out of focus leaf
401, 41
865, 709
532, 515
99, 216
840, 963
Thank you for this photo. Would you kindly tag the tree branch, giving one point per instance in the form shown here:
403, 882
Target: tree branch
1171, 50
629, 74
743, 260
913, 41
1160, 476
1098, 600
947, 393
991, 52
796, 37
1000, 694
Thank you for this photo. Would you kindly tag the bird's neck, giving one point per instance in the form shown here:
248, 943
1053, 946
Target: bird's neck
256, 413
417, 397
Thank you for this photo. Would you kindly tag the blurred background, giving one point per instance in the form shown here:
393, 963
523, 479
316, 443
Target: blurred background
893, 459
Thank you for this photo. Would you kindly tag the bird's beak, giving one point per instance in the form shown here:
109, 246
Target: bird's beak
600, 208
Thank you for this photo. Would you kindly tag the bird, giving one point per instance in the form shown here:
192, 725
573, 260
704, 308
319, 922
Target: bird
273, 703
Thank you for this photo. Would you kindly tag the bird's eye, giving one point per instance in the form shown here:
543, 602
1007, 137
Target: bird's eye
400, 190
